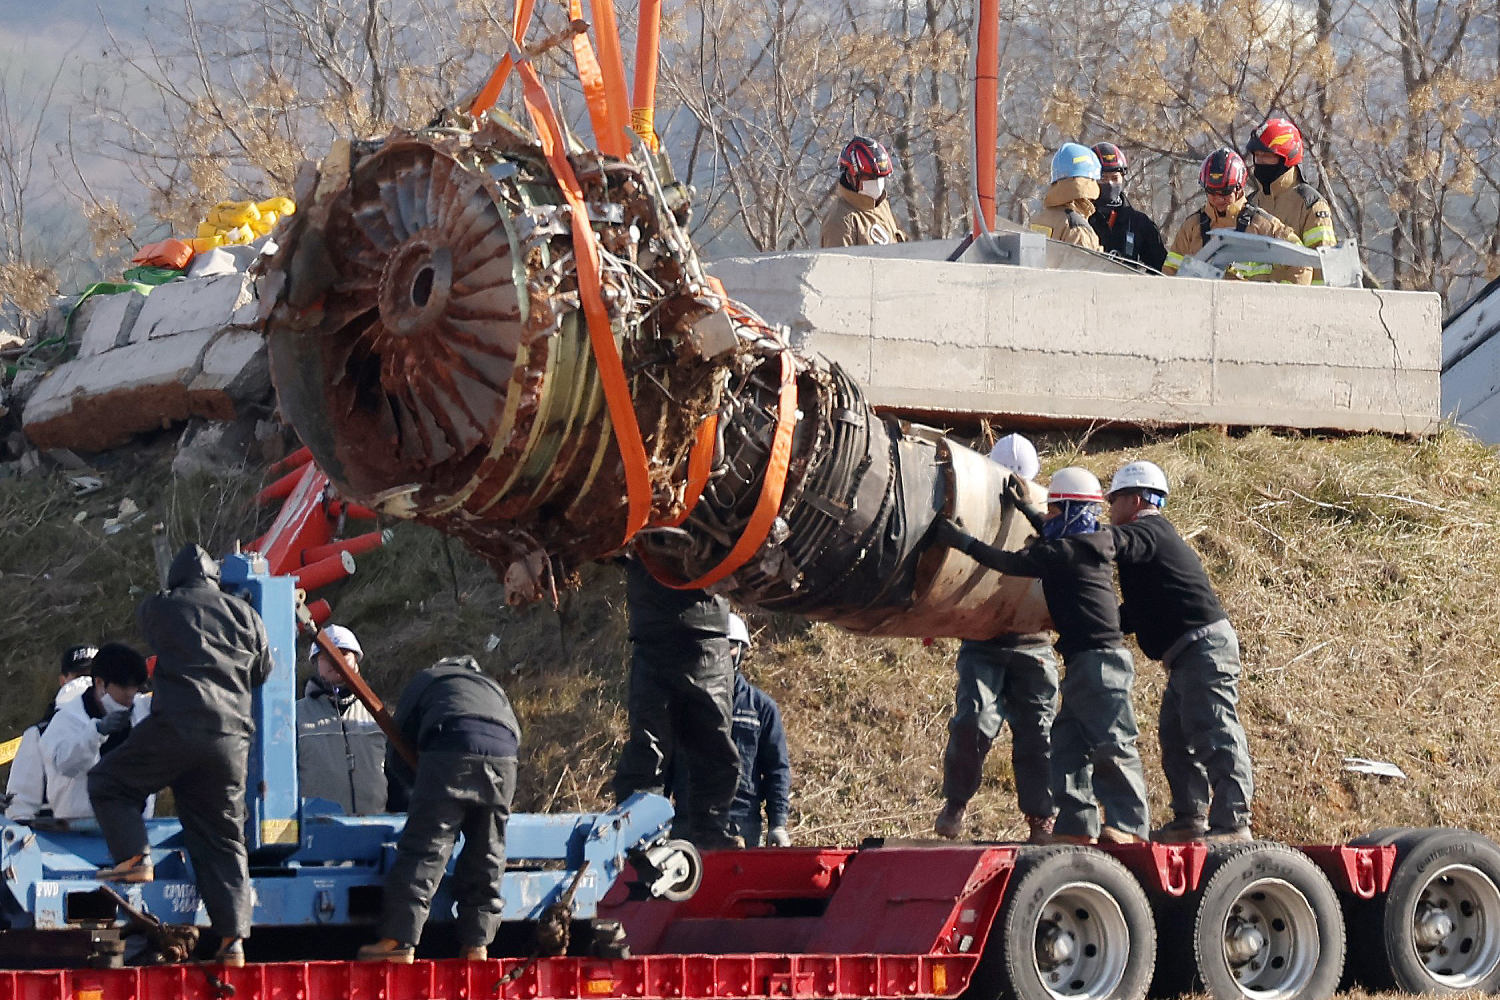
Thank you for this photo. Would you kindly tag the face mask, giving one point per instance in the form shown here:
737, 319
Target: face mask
1267, 174
111, 706
1109, 194
1077, 518
873, 188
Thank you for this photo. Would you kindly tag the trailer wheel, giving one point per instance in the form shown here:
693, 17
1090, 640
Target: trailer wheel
1074, 924
686, 865
1438, 927
1269, 926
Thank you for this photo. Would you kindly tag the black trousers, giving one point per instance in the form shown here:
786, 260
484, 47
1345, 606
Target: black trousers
682, 702
206, 772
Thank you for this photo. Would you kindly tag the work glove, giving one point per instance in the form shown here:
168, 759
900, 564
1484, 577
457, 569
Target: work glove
949, 534
1014, 492
113, 724
778, 837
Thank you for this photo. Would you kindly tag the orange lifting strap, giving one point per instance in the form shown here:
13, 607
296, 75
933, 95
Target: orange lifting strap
606, 112
700, 464
490, 92
771, 489
601, 333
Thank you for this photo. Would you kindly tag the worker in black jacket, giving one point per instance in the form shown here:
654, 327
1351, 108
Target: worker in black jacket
1124, 230
1094, 736
681, 701
211, 653
466, 736
1177, 619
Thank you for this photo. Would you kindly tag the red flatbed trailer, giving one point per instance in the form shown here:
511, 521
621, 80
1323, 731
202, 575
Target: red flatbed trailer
930, 920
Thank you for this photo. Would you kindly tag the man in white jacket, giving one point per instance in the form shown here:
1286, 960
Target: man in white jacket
26, 789
90, 726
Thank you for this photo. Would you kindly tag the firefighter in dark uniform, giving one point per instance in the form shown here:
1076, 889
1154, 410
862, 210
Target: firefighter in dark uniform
681, 701
1124, 230
466, 736
211, 653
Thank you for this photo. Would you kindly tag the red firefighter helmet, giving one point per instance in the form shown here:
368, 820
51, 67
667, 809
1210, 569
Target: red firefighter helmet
1223, 172
1111, 157
1279, 136
864, 159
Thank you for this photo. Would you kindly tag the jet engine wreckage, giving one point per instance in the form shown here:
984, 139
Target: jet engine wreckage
427, 317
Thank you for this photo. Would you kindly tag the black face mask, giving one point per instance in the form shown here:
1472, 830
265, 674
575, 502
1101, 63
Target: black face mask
1109, 194
1267, 174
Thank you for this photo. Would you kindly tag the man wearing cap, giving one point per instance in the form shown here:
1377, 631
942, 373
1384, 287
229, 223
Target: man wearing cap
1011, 677
340, 749
92, 725
26, 789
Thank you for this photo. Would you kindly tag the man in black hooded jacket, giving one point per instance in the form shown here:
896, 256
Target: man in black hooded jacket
1124, 230
211, 652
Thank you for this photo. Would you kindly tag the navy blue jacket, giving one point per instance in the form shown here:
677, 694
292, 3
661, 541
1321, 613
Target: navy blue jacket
765, 765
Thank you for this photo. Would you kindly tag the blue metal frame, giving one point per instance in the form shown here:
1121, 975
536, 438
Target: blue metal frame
308, 859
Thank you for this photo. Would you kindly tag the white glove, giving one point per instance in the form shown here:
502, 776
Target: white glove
778, 837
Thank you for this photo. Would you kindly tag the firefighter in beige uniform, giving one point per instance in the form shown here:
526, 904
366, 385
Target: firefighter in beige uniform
861, 213
1275, 153
1223, 178
1070, 199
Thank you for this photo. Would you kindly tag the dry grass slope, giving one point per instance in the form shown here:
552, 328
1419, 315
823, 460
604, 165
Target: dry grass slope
1360, 572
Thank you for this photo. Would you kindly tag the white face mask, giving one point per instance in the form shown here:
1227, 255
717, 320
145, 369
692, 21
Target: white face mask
111, 706
873, 188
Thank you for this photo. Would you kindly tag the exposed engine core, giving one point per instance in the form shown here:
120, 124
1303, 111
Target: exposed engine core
428, 342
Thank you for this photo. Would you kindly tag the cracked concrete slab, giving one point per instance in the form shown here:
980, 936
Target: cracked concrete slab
932, 338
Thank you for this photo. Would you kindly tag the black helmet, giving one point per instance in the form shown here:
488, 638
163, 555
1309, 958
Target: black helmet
1111, 157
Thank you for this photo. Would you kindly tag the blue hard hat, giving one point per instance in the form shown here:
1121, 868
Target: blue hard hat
1075, 160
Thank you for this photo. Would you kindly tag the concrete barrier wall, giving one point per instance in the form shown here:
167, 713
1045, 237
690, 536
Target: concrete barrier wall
932, 337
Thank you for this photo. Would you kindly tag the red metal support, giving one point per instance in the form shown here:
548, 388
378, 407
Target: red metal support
356, 546
325, 571
1364, 872
1169, 869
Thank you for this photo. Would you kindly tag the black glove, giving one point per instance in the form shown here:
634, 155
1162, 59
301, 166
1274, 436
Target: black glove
1014, 493
949, 534
113, 724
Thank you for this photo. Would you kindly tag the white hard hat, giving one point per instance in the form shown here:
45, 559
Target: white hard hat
340, 637
1074, 483
1139, 476
738, 632
1018, 455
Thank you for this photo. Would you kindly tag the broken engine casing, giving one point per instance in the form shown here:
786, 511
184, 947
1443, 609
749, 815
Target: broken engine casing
427, 342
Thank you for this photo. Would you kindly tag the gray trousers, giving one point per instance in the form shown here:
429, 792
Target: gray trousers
682, 701
999, 684
1203, 748
1095, 764
454, 793
206, 772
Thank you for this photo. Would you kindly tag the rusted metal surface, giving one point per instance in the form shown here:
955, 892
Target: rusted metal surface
428, 343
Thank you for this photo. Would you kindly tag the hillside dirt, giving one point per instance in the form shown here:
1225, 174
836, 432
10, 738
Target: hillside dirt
1362, 574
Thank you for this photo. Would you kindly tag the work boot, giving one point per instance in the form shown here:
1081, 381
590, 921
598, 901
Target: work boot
1041, 829
478, 953
134, 870
950, 821
231, 953
1182, 830
1073, 838
1109, 835
388, 950
1228, 835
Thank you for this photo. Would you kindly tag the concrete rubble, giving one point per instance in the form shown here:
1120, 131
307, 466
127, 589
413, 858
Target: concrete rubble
189, 349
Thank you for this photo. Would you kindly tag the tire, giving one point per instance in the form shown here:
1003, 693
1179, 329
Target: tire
685, 886
1074, 924
1268, 927
1437, 929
